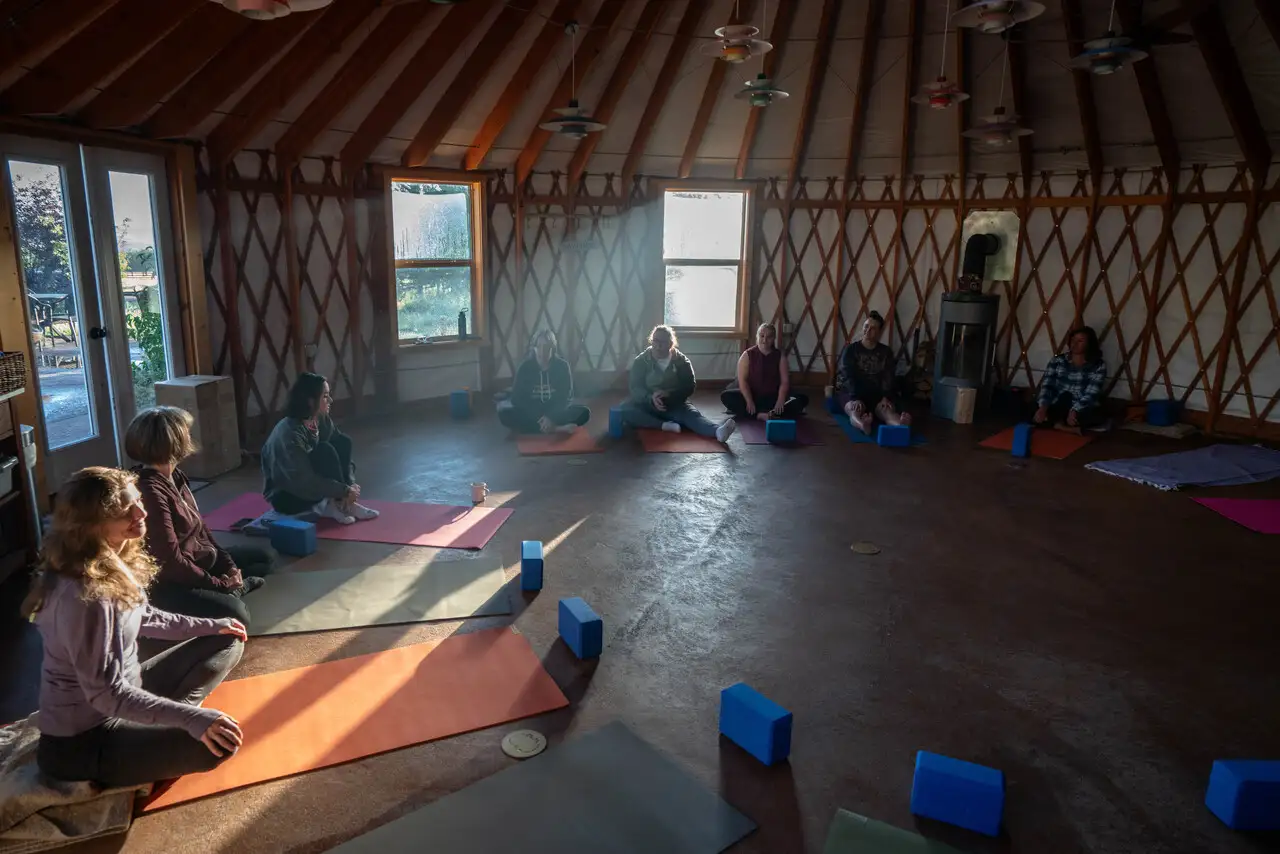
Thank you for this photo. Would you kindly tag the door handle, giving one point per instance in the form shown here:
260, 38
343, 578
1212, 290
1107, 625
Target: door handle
96, 332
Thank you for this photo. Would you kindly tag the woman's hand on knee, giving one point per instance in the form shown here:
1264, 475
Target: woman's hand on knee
223, 737
235, 627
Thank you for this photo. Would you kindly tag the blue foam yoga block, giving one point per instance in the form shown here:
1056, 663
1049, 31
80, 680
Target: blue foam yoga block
1022, 440
615, 422
1245, 793
958, 792
893, 436
833, 405
531, 565
755, 723
779, 430
1163, 413
581, 628
460, 403
293, 537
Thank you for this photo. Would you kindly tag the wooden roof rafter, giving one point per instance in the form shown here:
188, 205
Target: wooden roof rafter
1269, 12
28, 28
1153, 100
915, 14
688, 28
710, 95
1233, 89
862, 90
812, 92
585, 55
779, 32
1073, 24
1018, 79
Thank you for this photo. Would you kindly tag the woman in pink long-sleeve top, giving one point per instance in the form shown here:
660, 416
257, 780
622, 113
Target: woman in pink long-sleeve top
104, 715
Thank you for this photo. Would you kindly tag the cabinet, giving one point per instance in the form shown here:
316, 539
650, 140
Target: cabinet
17, 545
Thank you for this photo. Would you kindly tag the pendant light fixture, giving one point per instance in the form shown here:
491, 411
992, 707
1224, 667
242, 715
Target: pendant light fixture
572, 121
761, 92
997, 16
267, 10
942, 93
999, 129
736, 42
1108, 54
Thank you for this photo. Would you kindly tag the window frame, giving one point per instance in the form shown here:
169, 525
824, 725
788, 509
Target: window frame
477, 183
742, 309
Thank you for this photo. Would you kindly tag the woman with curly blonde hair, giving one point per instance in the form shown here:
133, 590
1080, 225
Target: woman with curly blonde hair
104, 715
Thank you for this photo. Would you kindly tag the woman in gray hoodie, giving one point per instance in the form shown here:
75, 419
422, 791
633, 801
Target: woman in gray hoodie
541, 398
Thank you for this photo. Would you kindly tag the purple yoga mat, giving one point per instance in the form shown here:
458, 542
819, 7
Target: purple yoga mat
1256, 514
752, 432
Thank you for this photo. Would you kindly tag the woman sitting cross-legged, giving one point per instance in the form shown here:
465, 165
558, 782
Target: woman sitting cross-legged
661, 382
104, 715
541, 398
197, 577
1071, 389
866, 378
306, 461
763, 387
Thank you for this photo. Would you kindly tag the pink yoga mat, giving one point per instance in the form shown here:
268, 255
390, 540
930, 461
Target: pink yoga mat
441, 525
1256, 514
752, 432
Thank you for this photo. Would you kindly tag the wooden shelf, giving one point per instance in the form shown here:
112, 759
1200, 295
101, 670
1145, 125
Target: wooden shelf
6, 500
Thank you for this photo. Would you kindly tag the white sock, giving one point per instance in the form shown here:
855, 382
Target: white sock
566, 428
328, 509
671, 426
362, 513
725, 430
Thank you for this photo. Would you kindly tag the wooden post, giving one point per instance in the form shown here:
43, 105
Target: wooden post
231, 294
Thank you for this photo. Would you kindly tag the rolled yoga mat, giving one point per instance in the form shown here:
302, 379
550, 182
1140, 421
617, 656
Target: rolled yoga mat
607, 790
445, 526
324, 599
325, 714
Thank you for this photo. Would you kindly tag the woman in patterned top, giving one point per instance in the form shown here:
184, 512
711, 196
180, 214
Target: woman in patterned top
866, 377
1071, 389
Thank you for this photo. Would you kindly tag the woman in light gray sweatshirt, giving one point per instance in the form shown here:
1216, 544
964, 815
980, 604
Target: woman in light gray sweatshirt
104, 715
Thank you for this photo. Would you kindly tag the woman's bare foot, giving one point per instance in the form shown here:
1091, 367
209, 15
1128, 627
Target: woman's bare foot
904, 418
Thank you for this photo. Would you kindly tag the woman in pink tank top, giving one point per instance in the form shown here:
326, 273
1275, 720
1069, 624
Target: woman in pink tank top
763, 387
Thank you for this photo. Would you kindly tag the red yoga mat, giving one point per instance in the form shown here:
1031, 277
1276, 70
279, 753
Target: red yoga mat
441, 525
684, 442
1052, 444
1256, 514
324, 714
752, 432
580, 441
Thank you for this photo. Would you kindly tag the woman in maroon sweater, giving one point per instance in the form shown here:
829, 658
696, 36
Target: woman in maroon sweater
197, 576
763, 387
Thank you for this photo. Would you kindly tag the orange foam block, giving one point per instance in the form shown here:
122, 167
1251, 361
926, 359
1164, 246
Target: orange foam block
1051, 444
580, 441
684, 442
324, 714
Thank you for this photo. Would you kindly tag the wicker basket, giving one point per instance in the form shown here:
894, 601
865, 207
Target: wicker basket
13, 373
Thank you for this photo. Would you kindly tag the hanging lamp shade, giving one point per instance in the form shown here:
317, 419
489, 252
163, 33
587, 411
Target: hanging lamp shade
736, 43
997, 130
996, 16
760, 92
940, 94
572, 121
267, 10
1107, 55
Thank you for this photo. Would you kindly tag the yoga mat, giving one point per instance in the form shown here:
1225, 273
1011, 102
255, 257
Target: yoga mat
859, 438
580, 441
752, 432
851, 833
1045, 442
606, 791
312, 717
1216, 465
441, 525
319, 600
684, 442
1256, 514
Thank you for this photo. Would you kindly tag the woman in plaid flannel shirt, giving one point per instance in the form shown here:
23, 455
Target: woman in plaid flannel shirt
1071, 391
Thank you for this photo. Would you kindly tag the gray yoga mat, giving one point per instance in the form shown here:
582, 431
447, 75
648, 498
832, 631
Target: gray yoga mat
607, 792
1216, 465
851, 833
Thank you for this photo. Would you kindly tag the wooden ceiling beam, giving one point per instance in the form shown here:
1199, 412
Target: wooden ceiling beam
1233, 89
623, 73
710, 95
1073, 23
111, 41
539, 53
1153, 101
127, 99
915, 13
812, 92
676, 53
472, 76
1017, 71
963, 111
445, 40
27, 29
1270, 14
779, 32
588, 52
361, 67
862, 89
326, 37
219, 79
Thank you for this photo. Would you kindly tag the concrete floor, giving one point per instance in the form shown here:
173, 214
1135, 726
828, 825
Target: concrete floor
1099, 641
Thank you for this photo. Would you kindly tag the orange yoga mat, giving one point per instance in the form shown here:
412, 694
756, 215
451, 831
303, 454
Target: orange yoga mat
580, 441
684, 442
1052, 444
324, 714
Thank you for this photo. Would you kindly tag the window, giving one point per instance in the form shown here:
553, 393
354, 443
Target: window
703, 251
436, 242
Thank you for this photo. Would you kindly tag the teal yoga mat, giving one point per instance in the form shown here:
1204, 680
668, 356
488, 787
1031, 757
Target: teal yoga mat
851, 833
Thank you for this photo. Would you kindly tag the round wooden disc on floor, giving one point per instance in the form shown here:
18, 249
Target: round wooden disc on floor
524, 743
862, 547
577, 461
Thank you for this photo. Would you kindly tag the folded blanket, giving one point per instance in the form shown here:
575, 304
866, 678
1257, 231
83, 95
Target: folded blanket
1216, 465
38, 813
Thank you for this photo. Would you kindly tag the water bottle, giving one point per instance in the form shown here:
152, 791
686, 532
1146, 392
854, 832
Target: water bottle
462, 324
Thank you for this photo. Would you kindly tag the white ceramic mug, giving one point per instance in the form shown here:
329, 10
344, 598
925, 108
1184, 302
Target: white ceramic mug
479, 491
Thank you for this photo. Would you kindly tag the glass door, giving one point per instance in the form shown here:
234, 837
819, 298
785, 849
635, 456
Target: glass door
46, 187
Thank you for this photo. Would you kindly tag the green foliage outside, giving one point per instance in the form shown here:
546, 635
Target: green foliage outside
147, 328
428, 300
42, 233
